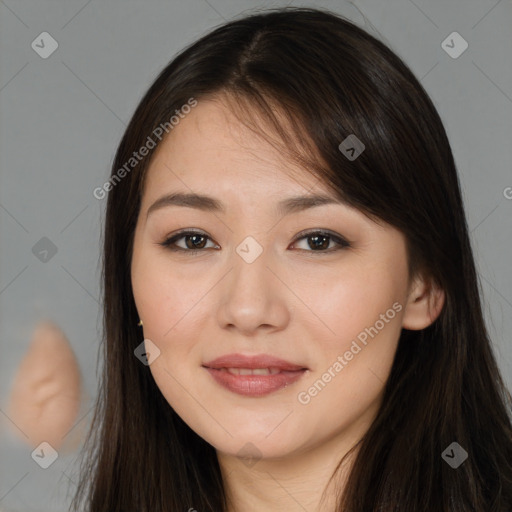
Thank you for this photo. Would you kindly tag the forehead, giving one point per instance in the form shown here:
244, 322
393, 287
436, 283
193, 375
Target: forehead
211, 148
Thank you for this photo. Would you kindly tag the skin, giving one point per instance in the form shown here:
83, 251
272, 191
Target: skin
293, 302
46, 393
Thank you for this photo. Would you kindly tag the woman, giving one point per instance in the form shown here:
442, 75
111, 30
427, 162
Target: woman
244, 372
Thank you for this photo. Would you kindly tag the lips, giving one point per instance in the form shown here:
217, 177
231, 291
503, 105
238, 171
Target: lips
253, 375
252, 371
253, 362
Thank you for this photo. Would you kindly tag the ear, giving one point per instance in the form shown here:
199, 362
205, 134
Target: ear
424, 304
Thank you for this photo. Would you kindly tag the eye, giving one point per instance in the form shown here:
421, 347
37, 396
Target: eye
318, 241
194, 241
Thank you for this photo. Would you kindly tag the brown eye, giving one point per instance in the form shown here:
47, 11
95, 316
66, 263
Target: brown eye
319, 241
194, 241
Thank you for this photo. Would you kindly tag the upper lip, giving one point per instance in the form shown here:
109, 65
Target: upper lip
252, 362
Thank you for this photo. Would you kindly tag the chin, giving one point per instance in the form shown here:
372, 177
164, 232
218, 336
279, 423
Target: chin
247, 439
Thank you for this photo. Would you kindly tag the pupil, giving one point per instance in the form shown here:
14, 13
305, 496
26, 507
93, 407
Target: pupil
193, 237
315, 238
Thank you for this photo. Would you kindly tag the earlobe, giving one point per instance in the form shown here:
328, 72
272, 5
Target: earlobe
424, 304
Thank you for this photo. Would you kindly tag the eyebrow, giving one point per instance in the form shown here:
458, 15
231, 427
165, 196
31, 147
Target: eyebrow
210, 204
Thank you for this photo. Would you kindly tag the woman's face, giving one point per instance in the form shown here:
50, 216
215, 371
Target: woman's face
254, 288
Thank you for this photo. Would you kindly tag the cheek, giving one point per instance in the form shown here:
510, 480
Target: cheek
343, 308
170, 303
161, 295
363, 312
165, 301
349, 376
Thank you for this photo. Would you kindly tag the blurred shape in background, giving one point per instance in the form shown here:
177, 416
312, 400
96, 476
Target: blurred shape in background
46, 393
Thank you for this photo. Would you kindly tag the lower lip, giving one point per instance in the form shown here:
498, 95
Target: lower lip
254, 385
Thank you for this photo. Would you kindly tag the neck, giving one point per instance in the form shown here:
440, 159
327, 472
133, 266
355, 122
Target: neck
299, 482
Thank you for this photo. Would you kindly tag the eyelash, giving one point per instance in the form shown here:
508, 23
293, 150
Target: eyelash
342, 242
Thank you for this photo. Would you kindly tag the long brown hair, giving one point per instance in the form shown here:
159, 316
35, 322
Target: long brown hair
330, 79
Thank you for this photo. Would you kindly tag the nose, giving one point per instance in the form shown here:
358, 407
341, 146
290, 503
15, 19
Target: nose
253, 296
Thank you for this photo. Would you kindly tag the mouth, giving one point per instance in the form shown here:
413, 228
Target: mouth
251, 371
253, 362
254, 375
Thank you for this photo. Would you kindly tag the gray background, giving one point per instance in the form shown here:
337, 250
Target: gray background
62, 118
